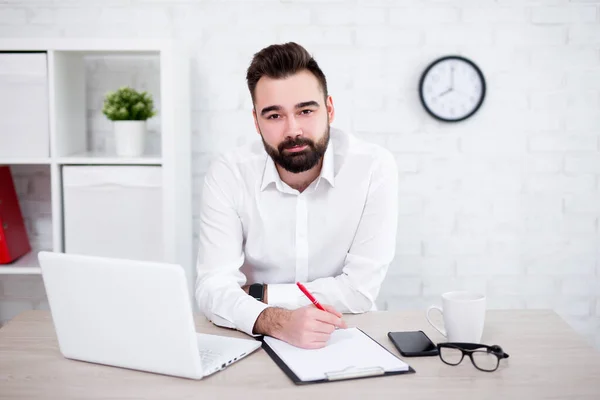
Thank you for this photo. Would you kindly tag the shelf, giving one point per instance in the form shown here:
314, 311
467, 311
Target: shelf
94, 158
26, 265
23, 161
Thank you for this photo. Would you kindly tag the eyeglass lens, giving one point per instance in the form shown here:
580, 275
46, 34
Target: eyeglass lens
484, 360
451, 355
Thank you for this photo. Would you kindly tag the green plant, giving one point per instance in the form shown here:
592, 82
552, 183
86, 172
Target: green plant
126, 104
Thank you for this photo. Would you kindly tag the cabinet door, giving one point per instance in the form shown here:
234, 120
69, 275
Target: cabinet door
114, 211
24, 125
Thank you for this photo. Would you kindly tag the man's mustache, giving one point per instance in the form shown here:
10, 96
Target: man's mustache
299, 141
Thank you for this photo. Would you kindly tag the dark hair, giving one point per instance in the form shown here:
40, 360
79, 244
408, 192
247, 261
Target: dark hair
280, 61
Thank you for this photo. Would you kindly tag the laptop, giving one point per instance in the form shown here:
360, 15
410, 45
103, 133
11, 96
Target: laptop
132, 314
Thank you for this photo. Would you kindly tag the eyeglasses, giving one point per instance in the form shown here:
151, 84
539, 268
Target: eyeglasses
485, 358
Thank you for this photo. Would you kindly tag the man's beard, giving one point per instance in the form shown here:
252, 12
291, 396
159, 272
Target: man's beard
299, 161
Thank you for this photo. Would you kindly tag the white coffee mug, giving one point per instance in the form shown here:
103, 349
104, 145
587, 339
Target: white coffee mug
464, 316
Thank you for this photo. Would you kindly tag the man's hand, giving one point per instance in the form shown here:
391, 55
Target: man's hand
307, 327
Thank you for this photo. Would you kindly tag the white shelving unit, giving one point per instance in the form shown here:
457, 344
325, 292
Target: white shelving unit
68, 142
26, 265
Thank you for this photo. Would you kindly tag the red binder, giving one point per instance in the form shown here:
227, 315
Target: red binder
14, 242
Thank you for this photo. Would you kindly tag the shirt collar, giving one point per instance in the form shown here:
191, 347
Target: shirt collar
328, 168
270, 174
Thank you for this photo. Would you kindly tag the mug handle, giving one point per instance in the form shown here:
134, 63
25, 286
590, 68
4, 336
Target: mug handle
440, 330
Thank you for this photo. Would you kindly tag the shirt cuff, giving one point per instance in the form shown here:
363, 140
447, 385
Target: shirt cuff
249, 316
286, 295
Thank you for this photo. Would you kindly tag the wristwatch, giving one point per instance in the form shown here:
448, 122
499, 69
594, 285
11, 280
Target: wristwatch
257, 290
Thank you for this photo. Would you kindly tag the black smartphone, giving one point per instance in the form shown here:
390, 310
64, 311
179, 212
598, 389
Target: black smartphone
413, 343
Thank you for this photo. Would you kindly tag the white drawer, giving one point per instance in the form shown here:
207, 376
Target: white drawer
114, 211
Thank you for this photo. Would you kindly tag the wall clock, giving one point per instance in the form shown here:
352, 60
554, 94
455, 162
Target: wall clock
452, 88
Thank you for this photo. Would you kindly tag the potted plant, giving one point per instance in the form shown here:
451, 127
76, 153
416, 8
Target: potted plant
129, 110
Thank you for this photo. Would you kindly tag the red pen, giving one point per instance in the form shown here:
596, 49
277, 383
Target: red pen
310, 296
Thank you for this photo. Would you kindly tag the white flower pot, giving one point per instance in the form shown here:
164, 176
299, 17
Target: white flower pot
130, 138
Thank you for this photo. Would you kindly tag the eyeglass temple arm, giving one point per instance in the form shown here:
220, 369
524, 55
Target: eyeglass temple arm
475, 346
463, 345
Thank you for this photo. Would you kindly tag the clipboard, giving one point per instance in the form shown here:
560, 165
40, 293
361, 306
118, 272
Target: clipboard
346, 373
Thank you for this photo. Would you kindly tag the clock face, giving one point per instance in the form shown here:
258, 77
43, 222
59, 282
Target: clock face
452, 88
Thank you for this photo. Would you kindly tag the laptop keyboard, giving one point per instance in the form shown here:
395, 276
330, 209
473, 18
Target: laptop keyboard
217, 352
210, 358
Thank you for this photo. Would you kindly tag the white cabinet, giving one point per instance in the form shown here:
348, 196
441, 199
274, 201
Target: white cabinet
113, 211
24, 106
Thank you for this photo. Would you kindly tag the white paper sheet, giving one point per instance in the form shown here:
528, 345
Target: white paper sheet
347, 350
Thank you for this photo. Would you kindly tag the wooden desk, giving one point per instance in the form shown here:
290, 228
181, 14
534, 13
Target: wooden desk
547, 360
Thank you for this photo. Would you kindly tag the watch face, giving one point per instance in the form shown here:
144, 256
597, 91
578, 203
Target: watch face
452, 88
257, 291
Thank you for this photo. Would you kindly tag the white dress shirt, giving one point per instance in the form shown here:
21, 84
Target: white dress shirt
338, 236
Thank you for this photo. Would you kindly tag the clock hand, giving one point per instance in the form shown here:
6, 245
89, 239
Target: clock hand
452, 77
444, 92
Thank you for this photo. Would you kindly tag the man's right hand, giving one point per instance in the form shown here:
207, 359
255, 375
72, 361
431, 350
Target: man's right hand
307, 327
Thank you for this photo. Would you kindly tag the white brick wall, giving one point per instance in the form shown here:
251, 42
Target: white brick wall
32, 184
507, 202
109, 73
